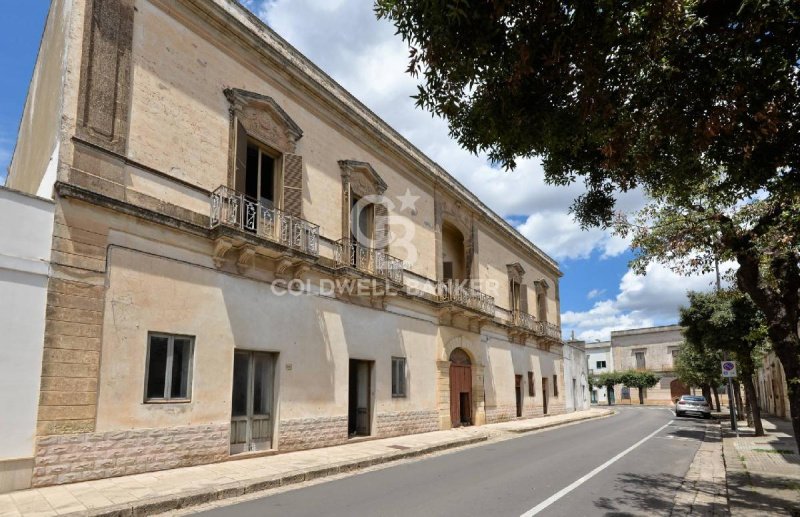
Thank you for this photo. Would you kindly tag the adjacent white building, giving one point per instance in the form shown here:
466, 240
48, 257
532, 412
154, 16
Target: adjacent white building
598, 357
25, 242
576, 377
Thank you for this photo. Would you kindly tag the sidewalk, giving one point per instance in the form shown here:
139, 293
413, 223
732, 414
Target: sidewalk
703, 490
763, 472
156, 492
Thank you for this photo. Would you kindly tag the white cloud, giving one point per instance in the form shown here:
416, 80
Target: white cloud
365, 56
642, 301
594, 293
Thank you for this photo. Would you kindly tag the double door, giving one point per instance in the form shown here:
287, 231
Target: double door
252, 401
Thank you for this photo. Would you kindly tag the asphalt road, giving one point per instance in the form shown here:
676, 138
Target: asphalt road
581, 469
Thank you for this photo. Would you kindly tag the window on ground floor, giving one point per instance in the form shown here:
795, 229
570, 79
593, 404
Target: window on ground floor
398, 376
169, 368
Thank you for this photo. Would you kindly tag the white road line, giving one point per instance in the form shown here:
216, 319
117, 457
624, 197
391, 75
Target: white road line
564, 491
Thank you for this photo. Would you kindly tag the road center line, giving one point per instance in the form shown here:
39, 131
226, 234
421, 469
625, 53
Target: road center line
564, 491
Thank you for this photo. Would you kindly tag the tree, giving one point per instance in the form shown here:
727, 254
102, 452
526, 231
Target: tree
697, 103
607, 380
699, 367
728, 320
641, 379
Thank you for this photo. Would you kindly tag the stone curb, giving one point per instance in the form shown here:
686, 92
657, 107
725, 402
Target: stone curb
172, 502
555, 424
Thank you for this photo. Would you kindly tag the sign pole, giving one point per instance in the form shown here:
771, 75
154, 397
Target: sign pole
729, 371
732, 407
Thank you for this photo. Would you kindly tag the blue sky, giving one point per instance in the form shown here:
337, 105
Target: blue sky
20, 31
598, 292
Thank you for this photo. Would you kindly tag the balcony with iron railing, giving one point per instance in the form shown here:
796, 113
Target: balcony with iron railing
376, 262
233, 209
456, 292
545, 329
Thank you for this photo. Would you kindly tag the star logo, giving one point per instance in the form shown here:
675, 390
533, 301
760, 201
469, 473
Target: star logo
407, 201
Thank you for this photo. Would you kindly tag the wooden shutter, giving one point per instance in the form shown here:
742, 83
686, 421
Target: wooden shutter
523, 298
381, 215
293, 184
241, 158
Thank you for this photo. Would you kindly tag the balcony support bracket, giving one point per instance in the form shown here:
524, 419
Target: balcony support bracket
221, 247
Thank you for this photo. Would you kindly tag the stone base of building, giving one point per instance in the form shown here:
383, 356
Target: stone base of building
311, 433
410, 422
72, 458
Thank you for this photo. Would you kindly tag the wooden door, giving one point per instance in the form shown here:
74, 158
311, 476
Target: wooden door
360, 401
518, 390
252, 401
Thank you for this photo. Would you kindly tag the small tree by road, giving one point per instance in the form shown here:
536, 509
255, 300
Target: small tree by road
699, 367
640, 379
607, 380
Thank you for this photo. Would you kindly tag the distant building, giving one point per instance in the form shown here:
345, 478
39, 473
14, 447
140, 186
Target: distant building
576, 376
598, 357
654, 349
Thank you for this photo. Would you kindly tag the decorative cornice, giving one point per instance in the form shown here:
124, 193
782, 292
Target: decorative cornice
350, 166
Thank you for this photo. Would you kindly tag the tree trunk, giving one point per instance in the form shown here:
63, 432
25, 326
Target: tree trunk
779, 300
707, 392
641, 396
716, 397
748, 406
752, 402
737, 393
610, 395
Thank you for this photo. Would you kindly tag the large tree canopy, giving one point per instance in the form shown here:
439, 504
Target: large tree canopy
697, 102
652, 93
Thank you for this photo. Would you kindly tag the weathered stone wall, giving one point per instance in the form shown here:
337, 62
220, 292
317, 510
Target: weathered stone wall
81, 457
310, 433
411, 422
73, 328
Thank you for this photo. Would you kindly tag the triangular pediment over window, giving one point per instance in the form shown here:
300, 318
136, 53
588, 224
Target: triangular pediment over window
264, 119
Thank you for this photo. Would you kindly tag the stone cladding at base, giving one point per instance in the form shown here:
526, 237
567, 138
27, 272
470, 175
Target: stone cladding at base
310, 433
407, 422
70, 458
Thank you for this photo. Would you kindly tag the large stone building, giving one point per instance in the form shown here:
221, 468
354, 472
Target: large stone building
653, 349
245, 258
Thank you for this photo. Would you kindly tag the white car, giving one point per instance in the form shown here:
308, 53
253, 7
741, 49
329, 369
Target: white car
692, 405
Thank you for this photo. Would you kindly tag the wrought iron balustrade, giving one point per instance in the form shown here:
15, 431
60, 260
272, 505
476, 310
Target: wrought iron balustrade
525, 320
539, 328
234, 209
348, 253
455, 291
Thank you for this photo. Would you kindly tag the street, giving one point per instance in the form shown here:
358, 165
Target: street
629, 464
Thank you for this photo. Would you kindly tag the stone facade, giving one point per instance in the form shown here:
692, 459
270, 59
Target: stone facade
159, 99
310, 433
68, 458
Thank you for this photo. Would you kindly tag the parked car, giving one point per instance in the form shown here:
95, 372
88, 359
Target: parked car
692, 405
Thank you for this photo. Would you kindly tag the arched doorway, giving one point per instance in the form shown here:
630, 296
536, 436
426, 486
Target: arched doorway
677, 388
460, 388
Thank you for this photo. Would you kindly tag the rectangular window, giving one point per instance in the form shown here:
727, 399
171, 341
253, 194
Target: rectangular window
675, 356
169, 367
260, 175
555, 385
601, 364
640, 363
398, 376
531, 385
